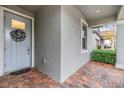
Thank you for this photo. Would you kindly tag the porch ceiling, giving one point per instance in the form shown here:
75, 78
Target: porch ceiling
89, 11
31, 8
97, 12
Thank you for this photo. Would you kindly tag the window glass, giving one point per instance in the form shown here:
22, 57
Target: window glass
83, 36
17, 24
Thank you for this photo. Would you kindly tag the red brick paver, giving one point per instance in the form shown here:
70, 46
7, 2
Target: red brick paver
91, 75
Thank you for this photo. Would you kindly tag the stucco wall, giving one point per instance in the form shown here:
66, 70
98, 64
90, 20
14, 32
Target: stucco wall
120, 45
58, 40
48, 41
1, 41
71, 57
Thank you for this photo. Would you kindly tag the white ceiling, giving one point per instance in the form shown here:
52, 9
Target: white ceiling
89, 11
31, 8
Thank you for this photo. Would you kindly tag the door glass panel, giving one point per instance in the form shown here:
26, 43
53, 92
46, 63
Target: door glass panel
17, 24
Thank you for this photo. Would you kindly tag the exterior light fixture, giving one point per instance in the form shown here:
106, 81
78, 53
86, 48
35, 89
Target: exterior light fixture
98, 11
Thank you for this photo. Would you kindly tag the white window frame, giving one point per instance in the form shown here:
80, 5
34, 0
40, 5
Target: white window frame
84, 50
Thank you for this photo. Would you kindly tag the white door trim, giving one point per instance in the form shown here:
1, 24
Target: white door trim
2, 9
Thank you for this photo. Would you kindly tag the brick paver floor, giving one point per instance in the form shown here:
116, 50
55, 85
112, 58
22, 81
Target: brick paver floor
91, 75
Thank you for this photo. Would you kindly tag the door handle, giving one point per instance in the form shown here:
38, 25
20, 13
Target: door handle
28, 51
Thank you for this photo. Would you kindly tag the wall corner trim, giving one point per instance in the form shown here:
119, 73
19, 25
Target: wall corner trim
121, 66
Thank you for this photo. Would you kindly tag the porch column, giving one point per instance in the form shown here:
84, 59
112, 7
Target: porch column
120, 44
1, 42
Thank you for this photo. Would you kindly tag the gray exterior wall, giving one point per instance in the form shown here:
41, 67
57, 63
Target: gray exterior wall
48, 41
57, 32
71, 57
120, 44
1, 41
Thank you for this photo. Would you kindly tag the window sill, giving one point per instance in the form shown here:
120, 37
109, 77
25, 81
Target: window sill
84, 51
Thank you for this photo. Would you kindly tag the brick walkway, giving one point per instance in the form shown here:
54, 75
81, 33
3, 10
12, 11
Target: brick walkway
93, 74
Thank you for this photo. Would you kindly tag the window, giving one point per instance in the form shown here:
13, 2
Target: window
83, 36
17, 24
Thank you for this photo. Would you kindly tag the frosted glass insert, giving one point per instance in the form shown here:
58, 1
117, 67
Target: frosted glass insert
17, 24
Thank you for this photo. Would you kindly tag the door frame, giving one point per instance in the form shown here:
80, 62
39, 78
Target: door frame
2, 39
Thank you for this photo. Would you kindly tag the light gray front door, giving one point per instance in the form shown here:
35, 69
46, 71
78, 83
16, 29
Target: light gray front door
17, 42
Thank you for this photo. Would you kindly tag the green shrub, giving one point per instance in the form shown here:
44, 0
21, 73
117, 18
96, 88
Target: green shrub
99, 47
105, 56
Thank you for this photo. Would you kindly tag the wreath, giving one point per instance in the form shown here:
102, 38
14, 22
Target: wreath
18, 35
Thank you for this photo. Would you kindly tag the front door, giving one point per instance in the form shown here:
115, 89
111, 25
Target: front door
17, 42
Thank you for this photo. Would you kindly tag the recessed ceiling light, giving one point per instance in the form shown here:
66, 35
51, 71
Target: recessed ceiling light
98, 11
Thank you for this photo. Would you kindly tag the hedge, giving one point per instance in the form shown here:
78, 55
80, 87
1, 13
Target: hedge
105, 56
